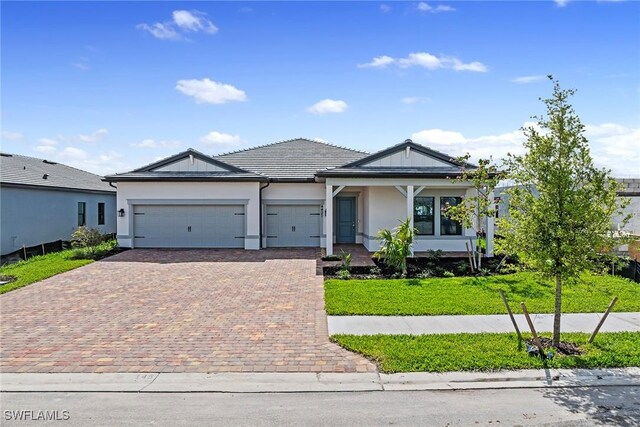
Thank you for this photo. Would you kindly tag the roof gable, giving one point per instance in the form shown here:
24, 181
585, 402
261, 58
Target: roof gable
291, 160
407, 154
189, 161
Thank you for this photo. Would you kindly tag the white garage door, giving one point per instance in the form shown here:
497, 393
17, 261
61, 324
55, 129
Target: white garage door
184, 226
293, 225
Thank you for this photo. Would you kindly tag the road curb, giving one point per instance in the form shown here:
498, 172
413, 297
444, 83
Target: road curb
313, 382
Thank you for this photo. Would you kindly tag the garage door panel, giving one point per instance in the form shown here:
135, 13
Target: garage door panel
293, 225
184, 226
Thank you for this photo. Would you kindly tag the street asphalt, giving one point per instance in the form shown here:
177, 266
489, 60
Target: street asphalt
592, 406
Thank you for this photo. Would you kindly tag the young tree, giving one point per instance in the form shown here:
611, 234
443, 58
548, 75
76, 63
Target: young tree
473, 211
561, 205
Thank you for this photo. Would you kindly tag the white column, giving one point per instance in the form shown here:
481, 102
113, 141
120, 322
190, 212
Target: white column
490, 229
328, 220
410, 208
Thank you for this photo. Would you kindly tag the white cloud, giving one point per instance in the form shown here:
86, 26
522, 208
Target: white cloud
82, 64
428, 61
385, 8
152, 143
94, 137
421, 59
475, 66
609, 143
426, 8
12, 136
193, 21
378, 62
528, 79
45, 149
207, 91
160, 31
219, 138
328, 106
561, 3
409, 100
185, 21
48, 141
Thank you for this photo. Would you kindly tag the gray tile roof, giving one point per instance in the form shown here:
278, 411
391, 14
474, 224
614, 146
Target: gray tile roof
295, 159
22, 170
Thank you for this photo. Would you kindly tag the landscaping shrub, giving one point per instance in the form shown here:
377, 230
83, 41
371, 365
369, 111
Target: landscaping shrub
395, 246
85, 237
94, 252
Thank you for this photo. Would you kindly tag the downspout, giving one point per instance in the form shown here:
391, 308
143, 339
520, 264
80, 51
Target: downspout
260, 210
111, 185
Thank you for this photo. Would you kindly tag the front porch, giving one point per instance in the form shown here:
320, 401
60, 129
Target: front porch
356, 209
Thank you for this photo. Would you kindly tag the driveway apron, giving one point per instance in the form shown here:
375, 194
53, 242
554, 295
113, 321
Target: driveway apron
176, 311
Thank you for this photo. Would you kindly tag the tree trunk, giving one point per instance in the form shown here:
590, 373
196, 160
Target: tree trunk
558, 311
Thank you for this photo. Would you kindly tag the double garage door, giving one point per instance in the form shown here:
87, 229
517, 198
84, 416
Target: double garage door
293, 225
189, 226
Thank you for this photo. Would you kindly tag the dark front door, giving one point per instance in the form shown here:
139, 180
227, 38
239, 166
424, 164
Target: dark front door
345, 219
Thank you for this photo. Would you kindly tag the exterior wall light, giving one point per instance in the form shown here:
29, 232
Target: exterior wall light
121, 213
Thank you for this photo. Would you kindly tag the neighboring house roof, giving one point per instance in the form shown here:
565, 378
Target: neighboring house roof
162, 170
17, 170
291, 160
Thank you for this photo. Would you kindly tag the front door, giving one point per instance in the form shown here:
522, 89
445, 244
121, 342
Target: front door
345, 219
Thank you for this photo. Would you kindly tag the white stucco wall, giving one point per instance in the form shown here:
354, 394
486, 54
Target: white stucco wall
386, 207
227, 191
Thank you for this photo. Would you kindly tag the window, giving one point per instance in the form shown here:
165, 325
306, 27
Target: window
448, 226
423, 215
100, 213
82, 213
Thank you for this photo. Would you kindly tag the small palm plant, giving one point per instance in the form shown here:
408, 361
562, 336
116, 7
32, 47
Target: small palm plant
395, 246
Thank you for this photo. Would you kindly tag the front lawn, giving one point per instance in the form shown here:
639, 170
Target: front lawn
486, 352
476, 295
39, 268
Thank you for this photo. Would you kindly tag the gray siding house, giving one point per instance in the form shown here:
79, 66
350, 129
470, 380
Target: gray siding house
43, 201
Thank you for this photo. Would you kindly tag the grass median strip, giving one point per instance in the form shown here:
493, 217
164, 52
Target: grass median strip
487, 352
476, 295
39, 268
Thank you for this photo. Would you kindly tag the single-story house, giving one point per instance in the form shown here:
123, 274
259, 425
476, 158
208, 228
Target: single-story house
292, 193
43, 201
631, 191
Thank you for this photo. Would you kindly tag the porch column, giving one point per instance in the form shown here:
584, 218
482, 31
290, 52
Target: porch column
491, 228
410, 208
328, 212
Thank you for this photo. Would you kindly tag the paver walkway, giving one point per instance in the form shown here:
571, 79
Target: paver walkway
176, 311
415, 325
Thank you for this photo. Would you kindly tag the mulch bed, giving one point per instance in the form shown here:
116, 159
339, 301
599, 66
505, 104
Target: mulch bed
564, 348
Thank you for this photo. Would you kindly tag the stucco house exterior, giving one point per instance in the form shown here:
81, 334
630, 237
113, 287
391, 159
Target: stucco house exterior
43, 201
292, 193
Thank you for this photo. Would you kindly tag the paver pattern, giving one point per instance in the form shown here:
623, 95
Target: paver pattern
176, 311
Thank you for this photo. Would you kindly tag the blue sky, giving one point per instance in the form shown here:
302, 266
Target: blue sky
111, 86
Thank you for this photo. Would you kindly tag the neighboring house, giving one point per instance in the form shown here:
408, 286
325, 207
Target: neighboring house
43, 201
288, 194
631, 191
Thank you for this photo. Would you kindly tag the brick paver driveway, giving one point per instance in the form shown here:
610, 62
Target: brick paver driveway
175, 311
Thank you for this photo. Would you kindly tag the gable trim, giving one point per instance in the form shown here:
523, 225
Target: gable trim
190, 152
407, 144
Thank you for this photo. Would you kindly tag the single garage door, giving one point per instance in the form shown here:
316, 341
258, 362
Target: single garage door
184, 226
293, 225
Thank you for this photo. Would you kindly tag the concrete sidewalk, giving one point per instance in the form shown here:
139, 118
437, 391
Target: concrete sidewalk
417, 325
308, 382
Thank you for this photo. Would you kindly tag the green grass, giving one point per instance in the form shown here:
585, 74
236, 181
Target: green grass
39, 268
476, 295
487, 352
